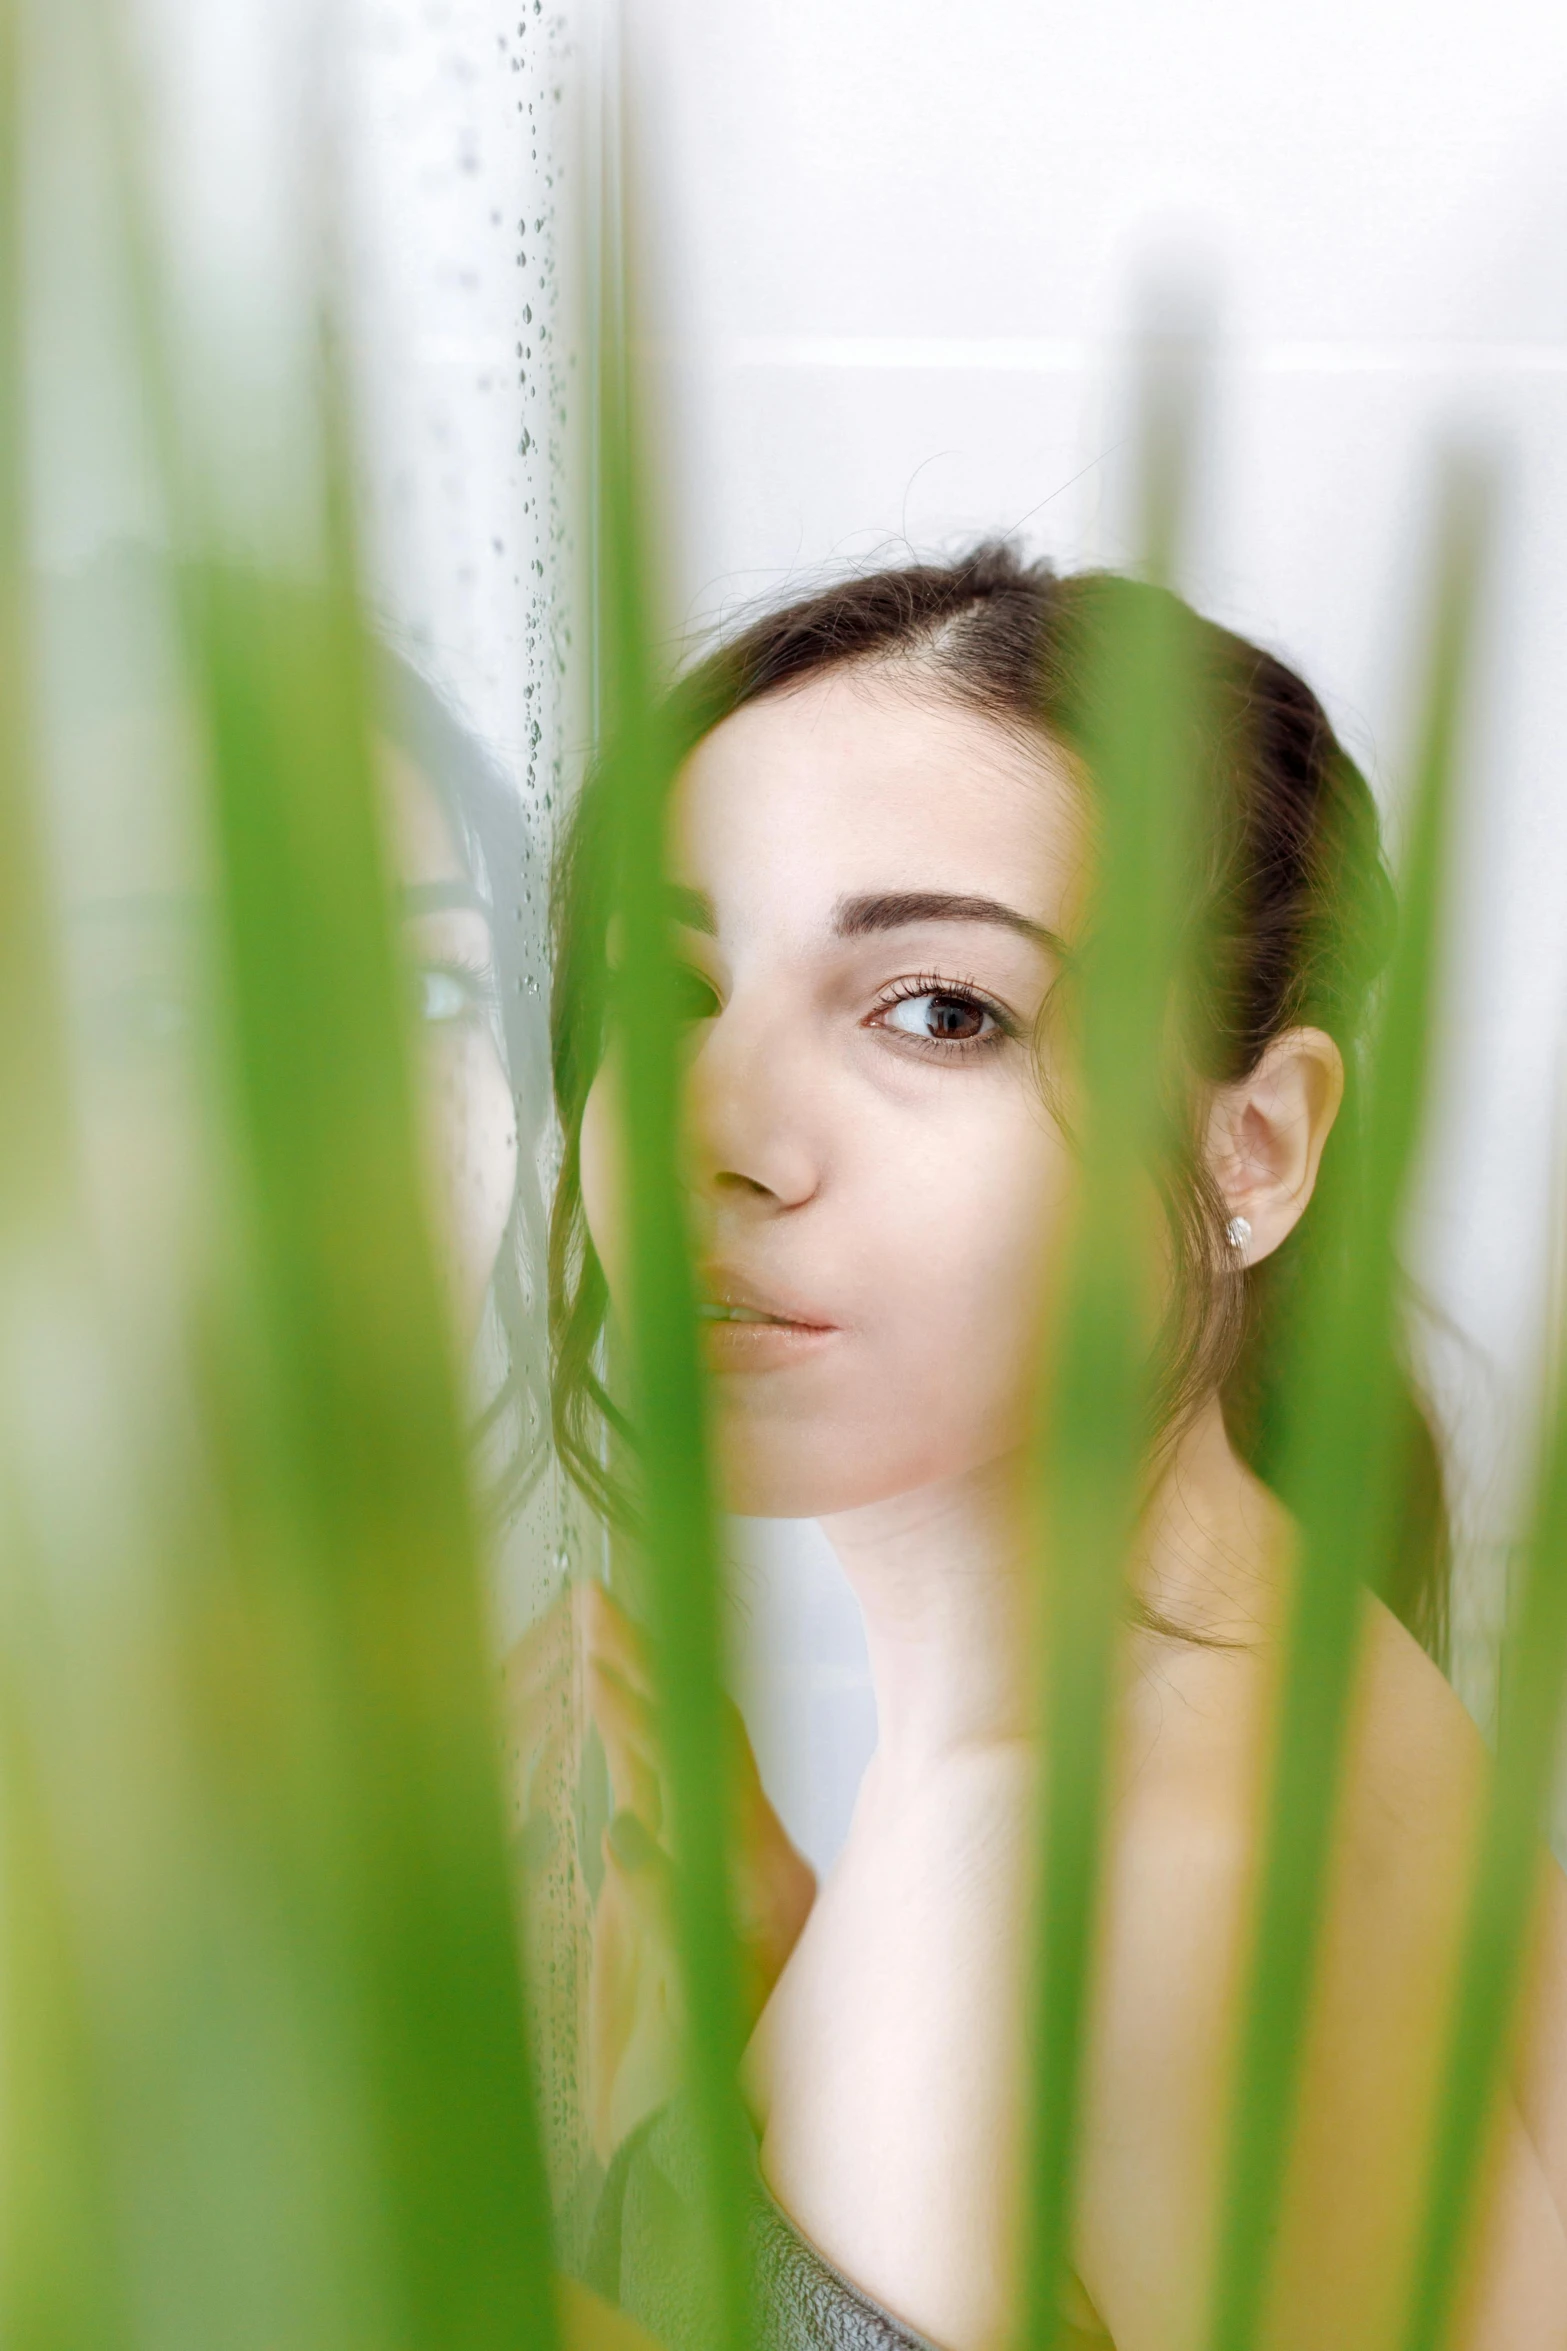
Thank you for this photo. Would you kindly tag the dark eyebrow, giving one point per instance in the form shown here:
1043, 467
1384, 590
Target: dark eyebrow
692, 909
896, 910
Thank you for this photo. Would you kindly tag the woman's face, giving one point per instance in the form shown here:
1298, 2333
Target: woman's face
138, 975
469, 1118
872, 886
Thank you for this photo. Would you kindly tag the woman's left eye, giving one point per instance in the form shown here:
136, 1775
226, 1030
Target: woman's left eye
939, 1016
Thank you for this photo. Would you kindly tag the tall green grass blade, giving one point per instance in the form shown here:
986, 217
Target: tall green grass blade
661, 1332
362, 1353
367, 1436
35, 1161
60, 2288
1506, 1880
35, 1135
1144, 723
1339, 1475
311, 2065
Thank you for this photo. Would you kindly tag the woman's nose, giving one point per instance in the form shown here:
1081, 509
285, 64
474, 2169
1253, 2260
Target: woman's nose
752, 1116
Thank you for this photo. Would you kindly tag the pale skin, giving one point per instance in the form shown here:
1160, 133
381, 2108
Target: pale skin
877, 1186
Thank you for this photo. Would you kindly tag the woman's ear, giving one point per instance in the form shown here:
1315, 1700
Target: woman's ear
1266, 1132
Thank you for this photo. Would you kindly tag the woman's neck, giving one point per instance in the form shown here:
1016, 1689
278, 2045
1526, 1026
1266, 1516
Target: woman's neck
948, 1581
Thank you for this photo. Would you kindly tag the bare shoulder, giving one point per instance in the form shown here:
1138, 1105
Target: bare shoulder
1190, 1820
1175, 1907
1424, 1774
1427, 1774
1414, 1748
1418, 1778
1192, 1812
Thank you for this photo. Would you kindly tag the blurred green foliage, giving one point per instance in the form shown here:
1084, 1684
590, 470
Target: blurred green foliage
265, 2072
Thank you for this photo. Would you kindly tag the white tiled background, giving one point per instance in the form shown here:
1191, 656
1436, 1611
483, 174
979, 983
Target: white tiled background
903, 238
900, 244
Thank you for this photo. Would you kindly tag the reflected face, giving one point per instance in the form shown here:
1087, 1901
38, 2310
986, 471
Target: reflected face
138, 979
874, 885
470, 1121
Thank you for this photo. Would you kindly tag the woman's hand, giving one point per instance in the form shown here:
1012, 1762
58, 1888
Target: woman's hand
589, 2323
634, 1993
634, 2001
773, 1885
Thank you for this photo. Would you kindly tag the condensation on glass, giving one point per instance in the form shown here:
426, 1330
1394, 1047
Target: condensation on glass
466, 137
421, 158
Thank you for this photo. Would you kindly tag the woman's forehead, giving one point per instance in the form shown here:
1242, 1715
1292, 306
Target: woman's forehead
856, 783
421, 833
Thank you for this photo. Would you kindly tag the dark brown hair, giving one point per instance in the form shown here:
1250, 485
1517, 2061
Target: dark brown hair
1292, 903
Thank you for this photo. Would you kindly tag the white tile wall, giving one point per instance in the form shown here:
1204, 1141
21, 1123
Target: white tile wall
901, 240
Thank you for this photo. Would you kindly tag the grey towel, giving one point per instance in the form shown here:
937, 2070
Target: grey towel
638, 2250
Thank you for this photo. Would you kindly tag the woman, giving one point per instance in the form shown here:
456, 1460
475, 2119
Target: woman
882, 842
467, 870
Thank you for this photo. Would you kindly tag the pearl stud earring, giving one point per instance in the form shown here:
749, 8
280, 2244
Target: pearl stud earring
1237, 1232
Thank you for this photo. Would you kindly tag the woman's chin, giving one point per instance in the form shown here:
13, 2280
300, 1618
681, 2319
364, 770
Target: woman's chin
804, 1481
757, 1482
748, 1495
825, 1473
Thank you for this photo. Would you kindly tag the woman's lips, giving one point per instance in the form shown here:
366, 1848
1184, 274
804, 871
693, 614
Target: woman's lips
744, 1331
